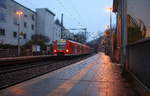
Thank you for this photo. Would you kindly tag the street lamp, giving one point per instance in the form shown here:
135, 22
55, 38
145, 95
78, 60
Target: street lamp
111, 33
19, 14
110, 10
106, 27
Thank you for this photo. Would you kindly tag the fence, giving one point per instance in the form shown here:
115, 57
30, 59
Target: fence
139, 60
8, 52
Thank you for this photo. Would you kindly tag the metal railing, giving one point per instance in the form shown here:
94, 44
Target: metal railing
8, 53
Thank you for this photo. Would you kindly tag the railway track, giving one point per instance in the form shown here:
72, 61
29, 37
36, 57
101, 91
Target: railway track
20, 70
15, 65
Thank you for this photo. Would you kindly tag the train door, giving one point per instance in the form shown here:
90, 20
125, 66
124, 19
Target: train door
76, 49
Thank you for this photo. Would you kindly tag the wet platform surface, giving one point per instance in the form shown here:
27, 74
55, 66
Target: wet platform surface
95, 76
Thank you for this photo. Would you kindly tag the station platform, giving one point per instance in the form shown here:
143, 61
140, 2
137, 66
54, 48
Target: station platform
95, 76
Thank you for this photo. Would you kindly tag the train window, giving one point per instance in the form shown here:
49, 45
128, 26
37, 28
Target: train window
82, 49
76, 49
72, 47
61, 44
61, 47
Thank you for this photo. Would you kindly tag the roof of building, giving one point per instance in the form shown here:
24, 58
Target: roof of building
46, 9
115, 5
22, 6
49, 11
31, 9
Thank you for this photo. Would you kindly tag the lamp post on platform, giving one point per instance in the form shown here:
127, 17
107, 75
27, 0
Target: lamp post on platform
19, 14
110, 11
111, 30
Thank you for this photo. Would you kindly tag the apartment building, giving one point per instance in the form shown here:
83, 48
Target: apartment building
57, 31
46, 23
10, 23
41, 21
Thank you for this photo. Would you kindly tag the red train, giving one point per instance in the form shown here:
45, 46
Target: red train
68, 47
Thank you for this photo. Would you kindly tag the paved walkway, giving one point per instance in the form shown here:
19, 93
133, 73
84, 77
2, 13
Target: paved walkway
95, 76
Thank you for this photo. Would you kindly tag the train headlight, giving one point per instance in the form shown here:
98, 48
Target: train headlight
55, 50
67, 50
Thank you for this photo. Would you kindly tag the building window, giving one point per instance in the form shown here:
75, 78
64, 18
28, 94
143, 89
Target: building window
25, 24
15, 21
3, 4
26, 16
24, 36
2, 32
33, 17
32, 27
15, 34
2, 17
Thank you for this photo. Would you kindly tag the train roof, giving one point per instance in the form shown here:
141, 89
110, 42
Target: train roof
75, 42
78, 43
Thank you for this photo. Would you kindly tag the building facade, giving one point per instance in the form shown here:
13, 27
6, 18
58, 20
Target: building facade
57, 32
66, 34
42, 21
61, 32
9, 22
46, 23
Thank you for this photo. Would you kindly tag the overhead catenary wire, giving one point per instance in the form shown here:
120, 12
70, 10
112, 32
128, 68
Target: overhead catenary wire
69, 13
29, 2
77, 12
65, 9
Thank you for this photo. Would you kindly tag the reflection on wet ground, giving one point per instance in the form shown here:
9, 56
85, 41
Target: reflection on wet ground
95, 76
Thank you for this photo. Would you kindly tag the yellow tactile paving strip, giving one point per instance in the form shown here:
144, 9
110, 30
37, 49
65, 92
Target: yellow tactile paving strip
69, 84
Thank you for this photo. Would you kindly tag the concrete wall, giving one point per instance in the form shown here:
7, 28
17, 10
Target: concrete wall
139, 62
9, 22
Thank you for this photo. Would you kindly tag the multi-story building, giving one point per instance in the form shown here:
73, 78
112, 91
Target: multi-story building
62, 33
45, 23
65, 34
57, 31
42, 21
9, 22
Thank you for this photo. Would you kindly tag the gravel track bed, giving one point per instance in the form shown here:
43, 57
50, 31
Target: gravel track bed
13, 74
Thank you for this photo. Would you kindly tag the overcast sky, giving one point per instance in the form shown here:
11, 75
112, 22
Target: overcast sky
77, 13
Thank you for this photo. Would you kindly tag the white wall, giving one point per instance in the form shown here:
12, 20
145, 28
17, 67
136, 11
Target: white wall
45, 23
10, 27
57, 32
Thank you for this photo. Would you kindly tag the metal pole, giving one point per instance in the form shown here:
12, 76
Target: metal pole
124, 33
62, 26
125, 25
111, 33
85, 34
18, 35
110, 20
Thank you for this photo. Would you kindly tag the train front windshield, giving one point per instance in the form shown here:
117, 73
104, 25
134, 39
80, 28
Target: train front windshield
61, 45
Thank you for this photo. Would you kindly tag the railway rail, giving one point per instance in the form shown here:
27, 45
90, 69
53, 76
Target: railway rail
32, 67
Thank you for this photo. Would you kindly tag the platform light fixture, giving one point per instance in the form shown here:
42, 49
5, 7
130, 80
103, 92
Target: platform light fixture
19, 13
